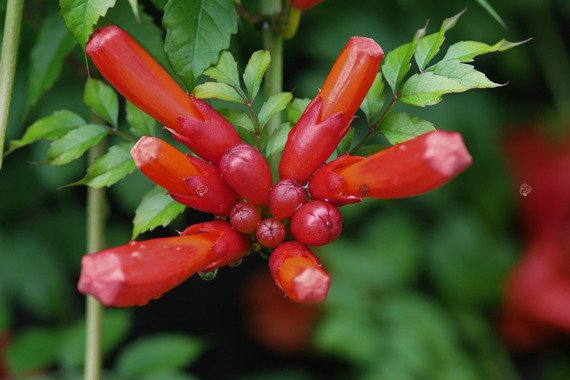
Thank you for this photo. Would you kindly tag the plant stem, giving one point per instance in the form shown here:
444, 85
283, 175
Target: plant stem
96, 205
273, 84
373, 128
8, 60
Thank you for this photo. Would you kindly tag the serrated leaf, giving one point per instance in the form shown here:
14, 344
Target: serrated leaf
50, 128
374, 101
462, 73
52, 45
277, 140
465, 51
486, 6
344, 144
254, 71
196, 32
158, 354
225, 70
275, 104
397, 62
102, 100
141, 124
218, 90
110, 168
425, 89
81, 16
32, 349
74, 143
237, 118
156, 209
429, 46
296, 108
400, 127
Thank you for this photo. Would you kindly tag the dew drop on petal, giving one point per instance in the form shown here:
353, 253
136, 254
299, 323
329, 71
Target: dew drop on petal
208, 276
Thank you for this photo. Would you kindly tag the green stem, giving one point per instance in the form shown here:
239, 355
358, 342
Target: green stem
96, 205
273, 84
8, 60
373, 128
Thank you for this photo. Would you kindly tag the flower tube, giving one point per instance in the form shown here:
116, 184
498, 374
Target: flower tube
411, 168
327, 118
189, 180
134, 273
140, 79
305, 4
298, 273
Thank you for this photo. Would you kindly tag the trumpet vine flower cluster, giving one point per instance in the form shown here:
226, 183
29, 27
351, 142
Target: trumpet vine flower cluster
233, 181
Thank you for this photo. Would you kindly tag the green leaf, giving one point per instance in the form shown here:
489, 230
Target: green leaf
50, 127
487, 7
218, 90
141, 124
465, 51
158, 354
237, 118
445, 77
397, 62
346, 142
196, 32
296, 108
110, 168
81, 15
32, 349
52, 45
275, 104
135, 7
116, 325
102, 100
374, 101
277, 140
156, 209
429, 46
225, 70
400, 127
75, 143
463, 73
254, 71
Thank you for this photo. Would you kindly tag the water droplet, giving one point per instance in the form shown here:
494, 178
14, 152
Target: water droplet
236, 263
133, 242
136, 255
208, 276
201, 190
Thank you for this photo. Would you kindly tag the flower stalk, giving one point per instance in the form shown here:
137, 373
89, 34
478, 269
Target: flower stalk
8, 60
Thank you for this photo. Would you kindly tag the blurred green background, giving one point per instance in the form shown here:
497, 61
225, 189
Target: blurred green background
416, 283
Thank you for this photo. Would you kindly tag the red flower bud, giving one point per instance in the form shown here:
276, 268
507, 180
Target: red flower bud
298, 273
286, 197
316, 223
305, 4
135, 273
140, 79
208, 137
189, 180
270, 232
244, 217
247, 172
229, 247
327, 118
411, 168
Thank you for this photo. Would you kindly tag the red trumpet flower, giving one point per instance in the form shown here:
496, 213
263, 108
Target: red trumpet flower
327, 118
305, 4
189, 180
298, 273
140, 79
411, 168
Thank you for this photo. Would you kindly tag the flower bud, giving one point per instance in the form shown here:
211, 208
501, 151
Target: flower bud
134, 273
244, 217
229, 247
286, 197
270, 232
411, 168
298, 273
248, 173
316, 223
